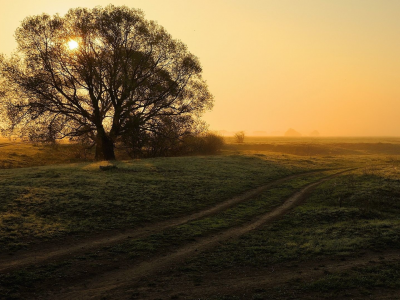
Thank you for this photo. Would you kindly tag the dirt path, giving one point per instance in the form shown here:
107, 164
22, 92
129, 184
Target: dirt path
50, 252
106, 283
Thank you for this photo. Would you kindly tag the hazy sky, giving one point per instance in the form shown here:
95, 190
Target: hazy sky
326, 65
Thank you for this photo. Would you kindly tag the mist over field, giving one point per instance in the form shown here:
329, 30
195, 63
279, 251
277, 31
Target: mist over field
274, 65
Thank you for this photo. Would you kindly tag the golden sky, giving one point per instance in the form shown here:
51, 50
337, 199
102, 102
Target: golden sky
331, 66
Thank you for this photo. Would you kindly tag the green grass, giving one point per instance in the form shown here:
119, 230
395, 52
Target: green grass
51, 201
22, 284
231, 217
380, 278
358, 280
139, 249
343, 218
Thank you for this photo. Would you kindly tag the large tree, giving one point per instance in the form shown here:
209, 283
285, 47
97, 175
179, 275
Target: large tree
100, 73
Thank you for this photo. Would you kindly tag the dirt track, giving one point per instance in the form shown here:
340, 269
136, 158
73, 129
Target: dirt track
159, 276
46, 252
110, 283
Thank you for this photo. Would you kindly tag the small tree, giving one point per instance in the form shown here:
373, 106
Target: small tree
102, 73
239, 137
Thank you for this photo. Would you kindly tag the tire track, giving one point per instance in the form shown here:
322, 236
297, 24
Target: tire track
105, 283
44, 254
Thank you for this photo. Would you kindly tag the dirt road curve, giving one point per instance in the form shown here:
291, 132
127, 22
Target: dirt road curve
43, 253
110, 282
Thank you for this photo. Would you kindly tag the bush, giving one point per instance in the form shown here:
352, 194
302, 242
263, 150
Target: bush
239, 136
190, 144
213, 143
208, 143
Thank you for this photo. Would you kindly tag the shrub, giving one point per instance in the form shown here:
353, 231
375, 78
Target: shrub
239, 137
208, 143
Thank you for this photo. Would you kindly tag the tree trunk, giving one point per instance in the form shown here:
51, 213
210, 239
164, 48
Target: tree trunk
104, 147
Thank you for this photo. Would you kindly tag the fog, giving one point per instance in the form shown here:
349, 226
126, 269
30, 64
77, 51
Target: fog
330, 66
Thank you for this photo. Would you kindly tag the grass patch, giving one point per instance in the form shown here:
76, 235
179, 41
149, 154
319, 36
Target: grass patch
231, 217
171, 238
47, 202
344, 217
365, 280
380, 279
22, 283
365, 219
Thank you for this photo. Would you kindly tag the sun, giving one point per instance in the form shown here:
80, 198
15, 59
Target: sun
72, 45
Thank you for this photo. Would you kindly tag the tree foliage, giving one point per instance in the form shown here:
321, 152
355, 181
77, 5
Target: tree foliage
126, 81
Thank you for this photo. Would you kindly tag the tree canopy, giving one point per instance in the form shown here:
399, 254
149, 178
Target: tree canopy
103, 74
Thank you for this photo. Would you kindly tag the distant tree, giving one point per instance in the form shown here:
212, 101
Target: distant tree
103, 74
292, 133
239, 137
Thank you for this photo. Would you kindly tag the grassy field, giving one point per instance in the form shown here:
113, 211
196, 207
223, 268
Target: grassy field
340, 242
52, 201
346, 218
